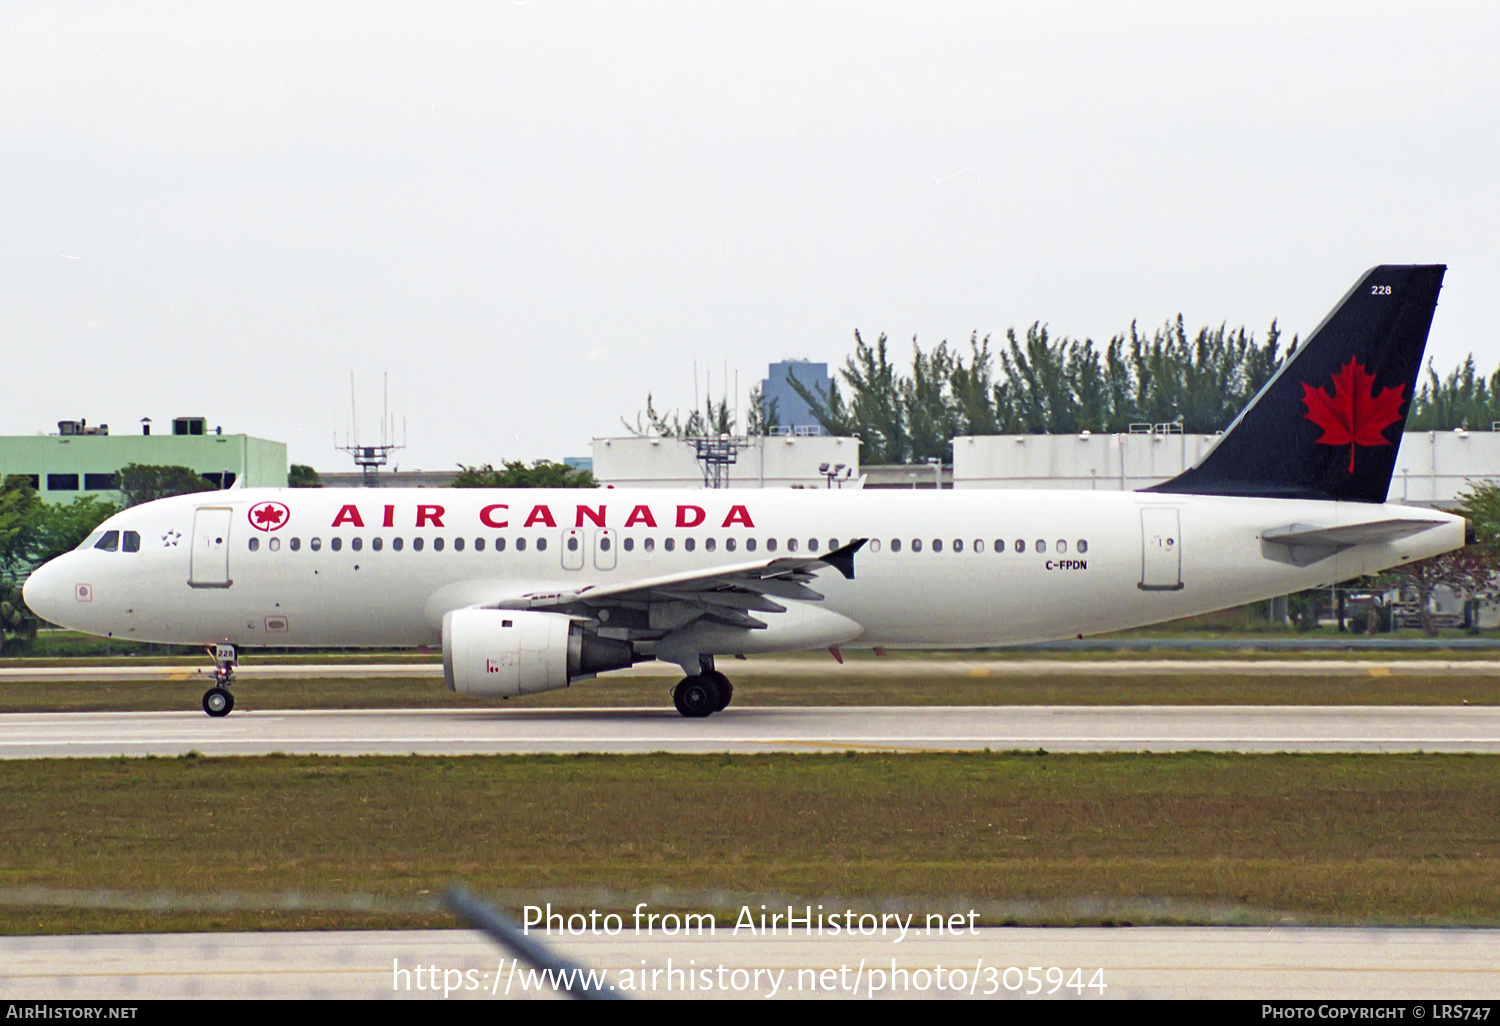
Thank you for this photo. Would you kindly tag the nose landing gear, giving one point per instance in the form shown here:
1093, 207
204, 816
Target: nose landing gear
217, 701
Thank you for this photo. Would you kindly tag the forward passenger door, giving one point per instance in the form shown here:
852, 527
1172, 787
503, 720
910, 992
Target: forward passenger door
209, 565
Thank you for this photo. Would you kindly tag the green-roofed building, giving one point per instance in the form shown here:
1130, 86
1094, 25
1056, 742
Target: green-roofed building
83, 459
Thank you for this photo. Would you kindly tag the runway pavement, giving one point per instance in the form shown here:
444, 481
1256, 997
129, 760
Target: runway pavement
824, 668
1141, 962
758, 729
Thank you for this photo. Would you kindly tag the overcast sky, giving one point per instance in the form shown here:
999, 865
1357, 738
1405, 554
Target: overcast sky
531, 214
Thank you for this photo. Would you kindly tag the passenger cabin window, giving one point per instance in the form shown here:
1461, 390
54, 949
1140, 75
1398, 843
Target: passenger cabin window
999, 545
1020, 545
812, 545
709, 544
770, 544
978, 545
335, 543
275, 544
649, 544
316, 544
874, 544
916, 544
728, 544
690, 544
791, 544
296, 544
356, 543
541, 544
1083, 546
478, 544
604, 544
499, 544
130, 541
377, 543
895, 544
458, 544
629, 544
937, 545
1062, 546
520, 544
254, 544
1041, 546
958, 545
397, 544
669, 544
749, 544
437, 545
417, 543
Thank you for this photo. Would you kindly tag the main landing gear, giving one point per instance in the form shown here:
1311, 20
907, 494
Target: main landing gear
217, 701
703, 693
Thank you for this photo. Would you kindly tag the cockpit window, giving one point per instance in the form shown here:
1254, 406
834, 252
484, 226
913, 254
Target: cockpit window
132, 542
91, 540
110, 542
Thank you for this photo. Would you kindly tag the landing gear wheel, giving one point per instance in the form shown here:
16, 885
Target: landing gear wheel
696, 696
218, 702
726, 689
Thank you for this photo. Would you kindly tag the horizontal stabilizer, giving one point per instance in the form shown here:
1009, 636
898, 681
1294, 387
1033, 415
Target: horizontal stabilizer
1302, 545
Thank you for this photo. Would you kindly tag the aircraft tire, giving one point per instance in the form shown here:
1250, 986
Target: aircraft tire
218, 702
696, 696
726, 689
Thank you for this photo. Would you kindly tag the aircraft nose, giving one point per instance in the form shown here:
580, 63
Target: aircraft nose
44, 592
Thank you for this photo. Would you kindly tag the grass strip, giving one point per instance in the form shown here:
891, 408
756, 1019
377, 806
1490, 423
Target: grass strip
814, 689
1409, 839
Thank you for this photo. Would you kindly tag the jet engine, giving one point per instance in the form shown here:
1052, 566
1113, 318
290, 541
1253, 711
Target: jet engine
502, 652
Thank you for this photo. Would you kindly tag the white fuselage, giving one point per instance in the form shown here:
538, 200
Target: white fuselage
260, 567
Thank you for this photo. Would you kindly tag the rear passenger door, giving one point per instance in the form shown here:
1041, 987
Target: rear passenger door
1161, 549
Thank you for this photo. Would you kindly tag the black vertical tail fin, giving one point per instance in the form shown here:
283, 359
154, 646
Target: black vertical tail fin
1328, 423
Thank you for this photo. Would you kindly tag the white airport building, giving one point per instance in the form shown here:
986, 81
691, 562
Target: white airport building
1432, 469
768, 461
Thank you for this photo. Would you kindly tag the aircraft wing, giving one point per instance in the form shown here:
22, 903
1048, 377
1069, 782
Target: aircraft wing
1302, 545
725, 594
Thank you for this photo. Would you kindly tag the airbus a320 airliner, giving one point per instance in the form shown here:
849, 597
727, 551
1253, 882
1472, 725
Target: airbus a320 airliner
530, 590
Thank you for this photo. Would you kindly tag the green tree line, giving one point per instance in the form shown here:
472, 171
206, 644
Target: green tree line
1039, 383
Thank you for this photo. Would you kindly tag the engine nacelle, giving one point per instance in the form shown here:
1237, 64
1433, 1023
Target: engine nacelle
502, 652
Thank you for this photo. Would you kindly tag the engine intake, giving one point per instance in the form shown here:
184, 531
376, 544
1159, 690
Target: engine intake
501, 652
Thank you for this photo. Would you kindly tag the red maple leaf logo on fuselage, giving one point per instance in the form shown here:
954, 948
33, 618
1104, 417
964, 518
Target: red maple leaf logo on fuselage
1354, 415
268, 516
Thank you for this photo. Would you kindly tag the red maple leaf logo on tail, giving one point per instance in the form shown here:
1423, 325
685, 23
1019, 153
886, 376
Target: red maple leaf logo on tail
1354, 415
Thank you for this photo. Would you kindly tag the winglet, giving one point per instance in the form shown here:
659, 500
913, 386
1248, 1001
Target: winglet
842, 558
